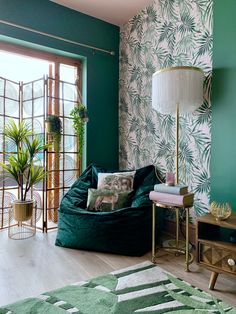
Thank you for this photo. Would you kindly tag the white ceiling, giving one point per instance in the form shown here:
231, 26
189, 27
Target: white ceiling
113, 11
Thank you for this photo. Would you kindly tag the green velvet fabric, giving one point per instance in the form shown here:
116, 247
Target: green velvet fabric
124, 231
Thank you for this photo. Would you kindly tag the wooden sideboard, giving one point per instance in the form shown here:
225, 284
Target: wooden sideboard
214, 249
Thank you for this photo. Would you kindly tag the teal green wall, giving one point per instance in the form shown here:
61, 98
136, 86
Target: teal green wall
102, 69
223, 154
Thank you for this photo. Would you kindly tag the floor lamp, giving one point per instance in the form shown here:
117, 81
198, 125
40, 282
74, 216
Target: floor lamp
177, 90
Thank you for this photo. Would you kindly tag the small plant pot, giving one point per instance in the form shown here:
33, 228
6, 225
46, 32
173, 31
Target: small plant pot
23, 210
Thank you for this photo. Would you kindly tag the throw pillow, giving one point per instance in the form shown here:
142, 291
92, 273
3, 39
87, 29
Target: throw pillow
107, 200
122, 181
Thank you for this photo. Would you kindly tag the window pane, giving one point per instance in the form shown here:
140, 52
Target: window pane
68, 73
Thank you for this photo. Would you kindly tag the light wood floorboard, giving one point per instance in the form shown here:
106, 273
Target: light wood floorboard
33, 266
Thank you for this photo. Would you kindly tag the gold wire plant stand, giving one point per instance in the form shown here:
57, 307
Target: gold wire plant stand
20, 230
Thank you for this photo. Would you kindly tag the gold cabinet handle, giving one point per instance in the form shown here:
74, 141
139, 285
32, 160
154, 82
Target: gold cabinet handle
231, 262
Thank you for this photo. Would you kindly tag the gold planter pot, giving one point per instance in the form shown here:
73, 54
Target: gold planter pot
23, 210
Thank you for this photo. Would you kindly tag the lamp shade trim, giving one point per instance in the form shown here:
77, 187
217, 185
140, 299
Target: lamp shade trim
183, 67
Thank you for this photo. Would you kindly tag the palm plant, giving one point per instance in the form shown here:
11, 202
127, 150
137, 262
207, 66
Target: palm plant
22, 165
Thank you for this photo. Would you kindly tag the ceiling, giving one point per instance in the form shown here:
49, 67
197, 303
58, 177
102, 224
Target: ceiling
113, 11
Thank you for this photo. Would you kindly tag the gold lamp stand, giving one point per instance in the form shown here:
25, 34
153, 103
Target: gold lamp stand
177, 90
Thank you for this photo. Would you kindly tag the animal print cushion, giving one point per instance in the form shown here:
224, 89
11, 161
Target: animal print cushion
122, 181
107, 200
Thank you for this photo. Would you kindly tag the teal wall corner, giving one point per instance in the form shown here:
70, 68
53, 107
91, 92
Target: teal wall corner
102, 70
223, 152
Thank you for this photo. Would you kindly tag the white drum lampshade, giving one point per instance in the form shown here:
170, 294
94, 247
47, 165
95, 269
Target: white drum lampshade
182, 86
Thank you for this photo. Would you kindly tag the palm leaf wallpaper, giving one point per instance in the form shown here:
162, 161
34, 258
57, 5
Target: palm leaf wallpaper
166, 33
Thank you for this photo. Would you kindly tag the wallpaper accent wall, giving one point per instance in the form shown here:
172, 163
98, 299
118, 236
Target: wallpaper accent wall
166, 33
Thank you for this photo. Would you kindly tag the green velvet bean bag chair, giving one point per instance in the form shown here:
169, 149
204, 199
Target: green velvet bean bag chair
125, 231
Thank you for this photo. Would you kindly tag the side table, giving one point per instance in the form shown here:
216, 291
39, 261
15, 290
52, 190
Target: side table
185, 251
214, 249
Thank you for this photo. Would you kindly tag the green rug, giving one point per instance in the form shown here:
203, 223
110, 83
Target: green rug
143, 289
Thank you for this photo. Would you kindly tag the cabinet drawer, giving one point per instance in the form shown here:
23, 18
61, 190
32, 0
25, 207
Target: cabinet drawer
217, 257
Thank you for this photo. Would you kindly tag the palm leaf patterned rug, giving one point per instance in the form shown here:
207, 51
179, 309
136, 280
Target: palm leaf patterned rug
144, 289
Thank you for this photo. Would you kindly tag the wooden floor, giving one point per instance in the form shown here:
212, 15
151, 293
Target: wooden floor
30, 267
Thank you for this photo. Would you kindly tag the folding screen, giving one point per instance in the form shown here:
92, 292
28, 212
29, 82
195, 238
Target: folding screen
32, 102
9, 109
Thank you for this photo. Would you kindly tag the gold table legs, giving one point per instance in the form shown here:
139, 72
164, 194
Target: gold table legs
187, 241
188, 256
153, 232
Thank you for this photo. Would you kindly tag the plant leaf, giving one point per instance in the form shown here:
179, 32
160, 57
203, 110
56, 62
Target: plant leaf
186, 300
191, 290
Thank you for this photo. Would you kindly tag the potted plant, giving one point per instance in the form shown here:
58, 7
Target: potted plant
54, 128
22, 166
79, 117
